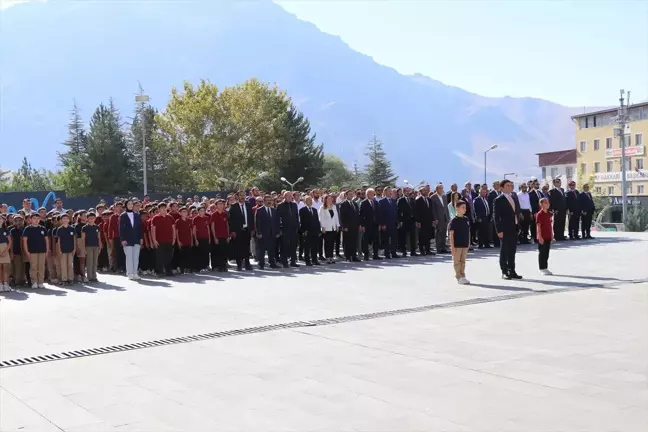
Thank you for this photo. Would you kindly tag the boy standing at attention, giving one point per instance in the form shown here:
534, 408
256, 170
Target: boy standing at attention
545, 235
91, 239
36, 246
66, 249
460, 241
80, 245
184, 241
17, 258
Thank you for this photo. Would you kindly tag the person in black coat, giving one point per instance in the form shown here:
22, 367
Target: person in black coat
289, 220
494, 193
406, 222
130, 235
350, 222
534, 198
506, 214
587, 208
558, 205
311, 230
369, 224
268, 229
424, 216
241, 225
483, 217
572, 202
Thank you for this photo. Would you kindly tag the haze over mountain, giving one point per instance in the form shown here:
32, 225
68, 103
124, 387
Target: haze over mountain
54, 52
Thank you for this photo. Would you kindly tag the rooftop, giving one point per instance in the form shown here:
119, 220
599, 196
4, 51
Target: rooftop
560, 157
608, 110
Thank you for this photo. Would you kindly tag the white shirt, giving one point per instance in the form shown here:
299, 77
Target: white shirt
131, 216
317, 203
525, 202
440, 198
244, 211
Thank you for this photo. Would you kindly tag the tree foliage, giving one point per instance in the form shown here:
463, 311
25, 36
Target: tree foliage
337, 173
378, 171
30, 179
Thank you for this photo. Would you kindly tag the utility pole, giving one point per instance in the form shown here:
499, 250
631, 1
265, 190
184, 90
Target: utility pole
623, 119
143, 99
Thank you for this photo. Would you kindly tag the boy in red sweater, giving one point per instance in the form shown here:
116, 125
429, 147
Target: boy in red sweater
544, 232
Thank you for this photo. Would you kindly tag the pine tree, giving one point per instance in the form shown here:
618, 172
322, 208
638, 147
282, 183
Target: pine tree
297, 154
76, 141
378, 171
30, 179
108, 156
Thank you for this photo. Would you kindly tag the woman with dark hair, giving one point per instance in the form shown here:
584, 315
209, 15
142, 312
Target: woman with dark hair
453, 203
130, 235
330, 226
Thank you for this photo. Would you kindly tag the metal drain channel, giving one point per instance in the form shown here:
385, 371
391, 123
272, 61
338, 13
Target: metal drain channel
295, 324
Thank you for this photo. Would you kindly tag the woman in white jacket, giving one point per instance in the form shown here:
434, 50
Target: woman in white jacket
330, 226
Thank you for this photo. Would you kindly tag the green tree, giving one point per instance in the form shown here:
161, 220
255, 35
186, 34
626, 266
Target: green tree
141, 131
637, 219
107, 153
74, 177
378, 171
337, 173
28, 179
5, 180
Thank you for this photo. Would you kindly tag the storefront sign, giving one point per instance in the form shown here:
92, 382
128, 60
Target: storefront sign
631, 200
629, 151
631, 175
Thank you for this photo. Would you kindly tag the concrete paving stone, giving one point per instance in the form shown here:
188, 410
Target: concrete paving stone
16, 415
61, 411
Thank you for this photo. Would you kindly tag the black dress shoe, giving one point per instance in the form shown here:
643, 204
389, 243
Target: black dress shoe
248, 267
294, 264
387, 257
262, 267
285, 266
376, 257
396, 256
514, 275
309, 264
506, 276
366, 258
414, 254
356, 259
274, 266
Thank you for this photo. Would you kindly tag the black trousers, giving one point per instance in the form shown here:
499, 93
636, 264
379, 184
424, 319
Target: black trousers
311, 245
574, 224
184, 258
483, 232
525, 224
508, 249
496, 240
242, 247
329, 243
473, 231
175, 261
289, 247
407, 234
543, 254
118, 253
586, 223
559, 224
300, 244
534, 233
220, 253
145, 259
350, 240
370, 237
338, 238
425, 235
263, 245
390, 241
163, 258
202, 254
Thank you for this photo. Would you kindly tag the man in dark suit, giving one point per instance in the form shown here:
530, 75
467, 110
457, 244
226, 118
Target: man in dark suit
311, 231
241, 225
558, 205
350, 222
289, 222
440, 217
424, 217
268, 229
506, 214
534, 197
483, 216
388, 221
369, 224
587, 208
494, 193
406, 222
572, 202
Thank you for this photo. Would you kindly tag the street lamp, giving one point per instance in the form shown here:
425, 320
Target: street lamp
292, 185
510, 174
143, 99
493, 147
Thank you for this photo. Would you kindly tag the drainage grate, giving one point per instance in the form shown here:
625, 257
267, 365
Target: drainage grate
296, 324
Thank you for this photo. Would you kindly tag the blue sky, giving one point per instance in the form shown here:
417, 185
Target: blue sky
563, 51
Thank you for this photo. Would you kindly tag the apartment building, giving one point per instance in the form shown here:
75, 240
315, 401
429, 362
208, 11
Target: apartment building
557, 164
598, 151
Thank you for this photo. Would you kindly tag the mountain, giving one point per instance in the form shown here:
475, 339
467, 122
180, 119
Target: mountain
54, 52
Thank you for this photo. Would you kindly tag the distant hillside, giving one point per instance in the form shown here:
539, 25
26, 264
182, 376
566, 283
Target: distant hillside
56, 51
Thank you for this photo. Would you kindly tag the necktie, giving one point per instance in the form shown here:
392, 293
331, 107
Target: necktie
510, 200
485, 205
269, 214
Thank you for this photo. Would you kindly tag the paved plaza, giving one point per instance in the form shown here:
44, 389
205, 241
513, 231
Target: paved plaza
383, 346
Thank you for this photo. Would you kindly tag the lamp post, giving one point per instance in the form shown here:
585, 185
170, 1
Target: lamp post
143, 99
493, 147
292, 185
510, 174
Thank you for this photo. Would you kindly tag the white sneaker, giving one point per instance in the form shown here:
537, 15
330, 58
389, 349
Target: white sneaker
465, 281
4, 288
41, 286
545, 272
34, 286
136, 277
462, 281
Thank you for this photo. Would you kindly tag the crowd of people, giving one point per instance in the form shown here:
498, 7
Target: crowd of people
175, 235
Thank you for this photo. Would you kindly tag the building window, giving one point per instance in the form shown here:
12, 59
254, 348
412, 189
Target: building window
597, 167
586, 122
583, 168
583, 146
608, 143
638, 139
597, 145
610, 190
597, 190
639, 164
640, 189
629, 189
594, 121
554, 173
544, 172
569, 172
628, 140
610, 166
628, 164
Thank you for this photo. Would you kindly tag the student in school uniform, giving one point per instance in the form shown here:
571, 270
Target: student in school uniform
36, 245
220, 231
91, 238
145, 251
81, 220
104, 254
130, 237
66, 245
18, 266
119, 259
544, 232
459, 230
184, 241
163, 236
53, 261
201, 236
5, 254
